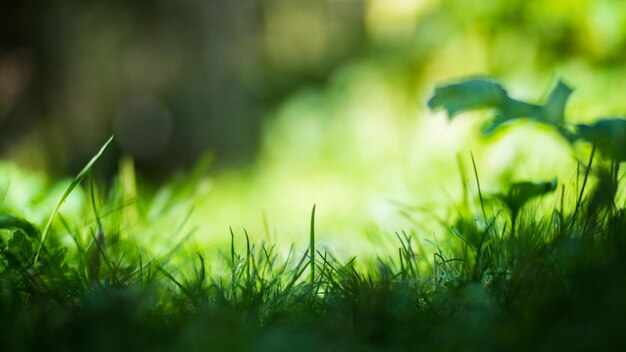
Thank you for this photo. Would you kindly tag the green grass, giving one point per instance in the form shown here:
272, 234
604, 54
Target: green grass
554, 281
502, 275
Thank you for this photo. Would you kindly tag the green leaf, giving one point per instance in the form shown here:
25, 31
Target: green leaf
553, 111
603, 194
77, 180
12, 222
481, 93
521, 193
608, 134
467, 95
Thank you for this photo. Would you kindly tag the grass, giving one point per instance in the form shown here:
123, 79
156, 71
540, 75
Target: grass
549, 282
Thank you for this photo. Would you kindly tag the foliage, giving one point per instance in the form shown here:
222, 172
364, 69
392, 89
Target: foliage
609, 134
536, 283
477, 93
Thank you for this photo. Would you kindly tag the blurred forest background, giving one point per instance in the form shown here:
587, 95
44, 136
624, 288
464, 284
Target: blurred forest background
302, 102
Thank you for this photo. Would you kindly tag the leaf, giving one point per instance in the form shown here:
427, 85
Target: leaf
603, 194
77, 180
608, 134
12, 222
481, 93
551, 113
521, 193
554, 108
468, 95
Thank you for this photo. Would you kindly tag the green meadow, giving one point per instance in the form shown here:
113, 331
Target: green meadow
324, 176
502, 274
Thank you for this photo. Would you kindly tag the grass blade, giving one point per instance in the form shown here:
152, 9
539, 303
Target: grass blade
79, 178
312, 246
586, 177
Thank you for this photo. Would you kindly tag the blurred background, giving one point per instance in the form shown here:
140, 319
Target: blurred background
301, 102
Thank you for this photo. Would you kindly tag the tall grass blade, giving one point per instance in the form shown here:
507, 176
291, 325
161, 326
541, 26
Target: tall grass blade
480, 193
247, 255
312, 246
79, 178
585, 179
170, 277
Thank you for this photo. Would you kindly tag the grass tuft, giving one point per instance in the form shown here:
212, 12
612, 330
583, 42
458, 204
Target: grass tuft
545, 281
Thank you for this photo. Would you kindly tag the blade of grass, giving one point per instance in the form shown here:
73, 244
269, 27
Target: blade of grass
4, 192
176, 282
480, 193
312, 246
232, 263
247, 256
297, 273
586, 177
79, 178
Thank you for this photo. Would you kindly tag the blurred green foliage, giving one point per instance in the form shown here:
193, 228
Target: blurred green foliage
302, 102
173, 79
324, 101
